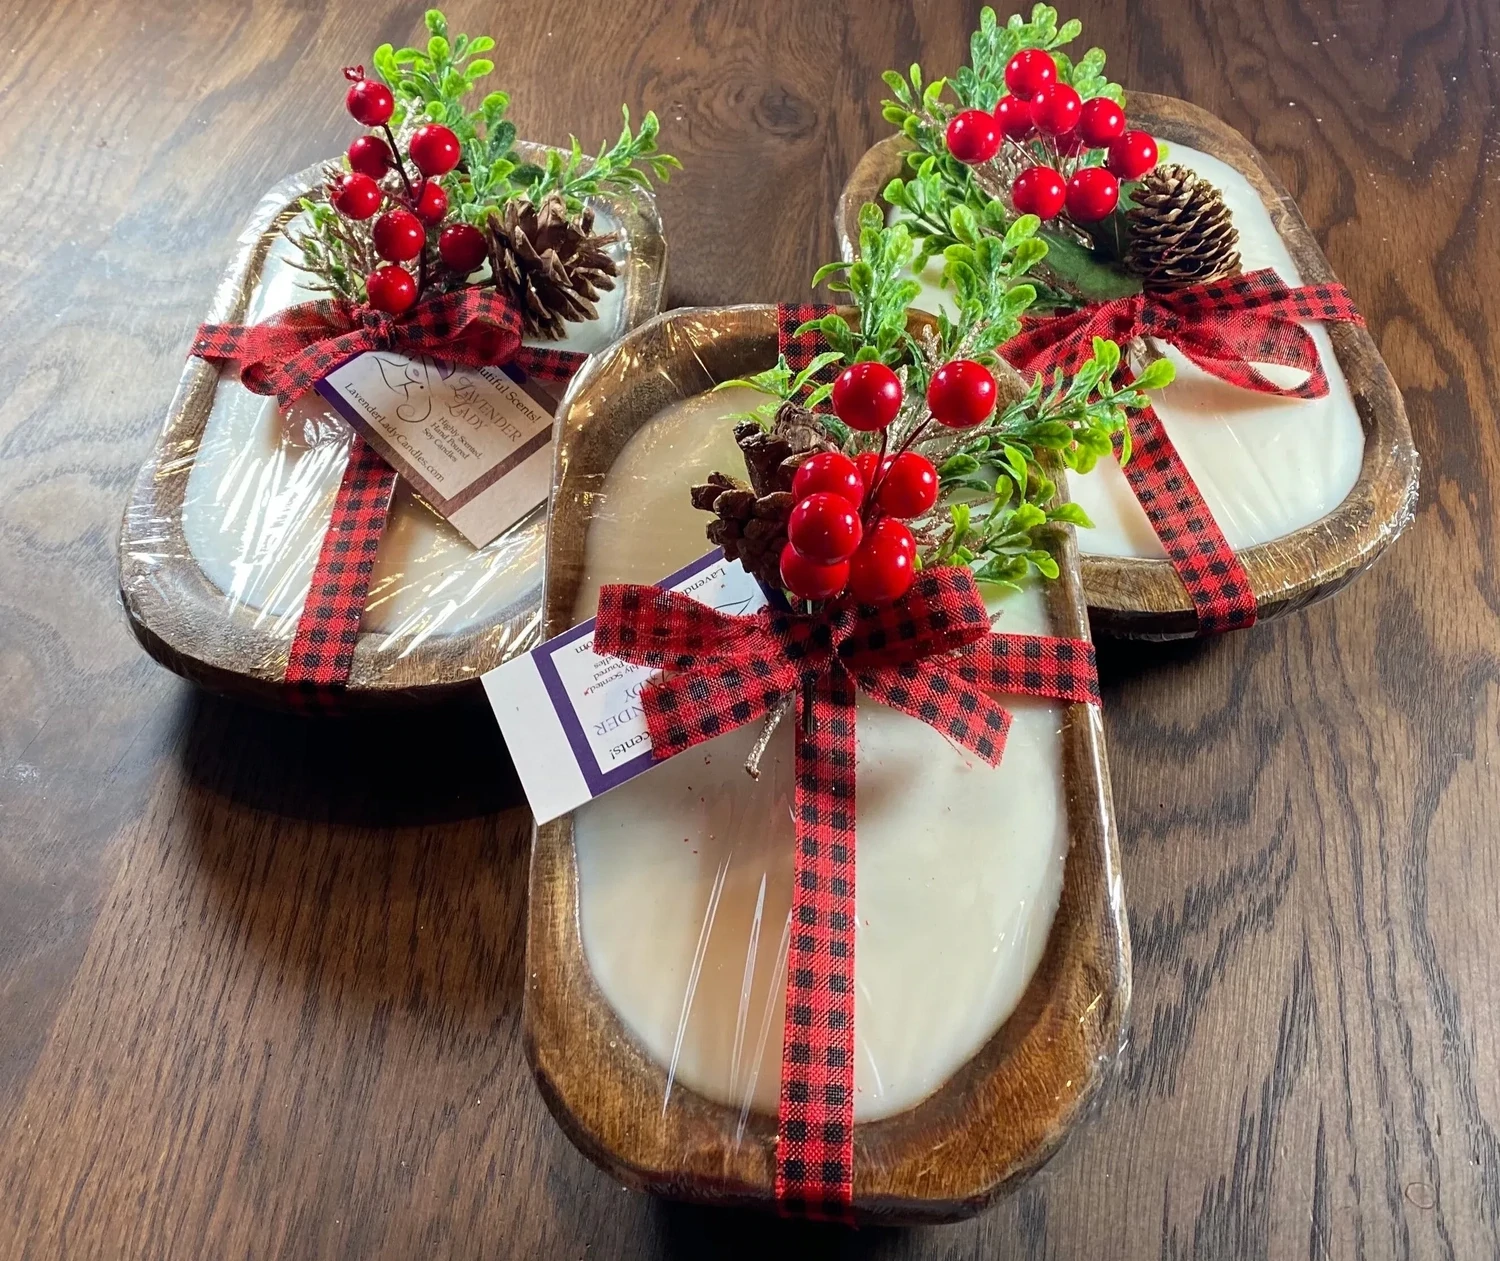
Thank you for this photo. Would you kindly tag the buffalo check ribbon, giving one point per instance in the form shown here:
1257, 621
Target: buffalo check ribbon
1225, 327
287, 356
931, 655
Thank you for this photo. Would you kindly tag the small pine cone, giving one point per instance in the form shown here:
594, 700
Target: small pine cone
772, 458
1181, 231
750, 528
552, 268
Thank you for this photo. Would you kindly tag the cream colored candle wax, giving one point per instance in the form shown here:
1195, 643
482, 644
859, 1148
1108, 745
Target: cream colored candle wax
684, 873
262, 485
1266, 466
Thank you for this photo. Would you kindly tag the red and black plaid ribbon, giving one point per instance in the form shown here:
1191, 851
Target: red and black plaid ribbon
1225, 327
931, 655
294, 350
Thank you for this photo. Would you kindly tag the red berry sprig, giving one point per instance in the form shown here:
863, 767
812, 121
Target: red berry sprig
847, 530
400, 234
1072, 154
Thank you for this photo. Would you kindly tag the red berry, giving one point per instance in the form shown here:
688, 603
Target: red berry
829, 471
1071, 145
825, 528
370, 101
370, 155
894, 529
1039, 190
973, 136
399, 236
1132, 155
961, 393
1100, 121
1029, 71
1055, 109
356, 196
434, 149
391, 289
462, 247
867, 463
867, 396
909, 487
432, 203
808, 580
1014, 116
1093, 193
882, 569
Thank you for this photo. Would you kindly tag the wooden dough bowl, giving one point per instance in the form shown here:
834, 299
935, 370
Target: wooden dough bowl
185, 621
1143, 598
1011, 1105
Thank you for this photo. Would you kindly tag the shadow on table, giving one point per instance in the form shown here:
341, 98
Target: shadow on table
689, 1232
434, 766
378, 859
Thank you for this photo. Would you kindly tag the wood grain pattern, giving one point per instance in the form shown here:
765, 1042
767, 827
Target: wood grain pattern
1145, 598
1013, 1103
260, 995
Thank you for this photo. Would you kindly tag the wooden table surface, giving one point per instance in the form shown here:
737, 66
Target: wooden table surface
260, 997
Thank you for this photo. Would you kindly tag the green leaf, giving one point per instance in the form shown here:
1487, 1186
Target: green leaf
1158, 374
1083, 274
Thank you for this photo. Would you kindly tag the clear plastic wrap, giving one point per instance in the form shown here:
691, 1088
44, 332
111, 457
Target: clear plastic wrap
1309, 492
980, 890
1267, 466
224, 528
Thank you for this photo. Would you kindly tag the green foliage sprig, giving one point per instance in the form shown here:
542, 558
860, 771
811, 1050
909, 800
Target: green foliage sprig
433, 85
996, 497
981, 83
939, 184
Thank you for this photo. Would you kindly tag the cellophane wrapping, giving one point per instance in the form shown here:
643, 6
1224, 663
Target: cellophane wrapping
684, 874
223, 531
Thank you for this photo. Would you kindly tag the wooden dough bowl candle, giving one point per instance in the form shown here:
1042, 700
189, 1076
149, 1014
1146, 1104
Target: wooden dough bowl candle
992, 960
1308, 492
228, 513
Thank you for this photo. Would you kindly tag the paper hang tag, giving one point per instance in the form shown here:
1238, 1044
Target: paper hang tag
476, 443
573, 719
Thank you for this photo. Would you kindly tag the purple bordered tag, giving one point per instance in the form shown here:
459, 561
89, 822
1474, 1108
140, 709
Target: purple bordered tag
573, 719
475, 443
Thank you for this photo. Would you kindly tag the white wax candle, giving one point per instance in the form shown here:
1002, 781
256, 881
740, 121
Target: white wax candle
262, 485
684, 873
1266, 466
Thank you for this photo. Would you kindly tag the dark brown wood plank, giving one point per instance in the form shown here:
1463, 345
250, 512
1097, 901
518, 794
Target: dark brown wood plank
259, 997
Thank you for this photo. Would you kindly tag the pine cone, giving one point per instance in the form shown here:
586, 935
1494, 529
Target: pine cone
750, 521
750, 528
552, 268
772, 458
1181, 232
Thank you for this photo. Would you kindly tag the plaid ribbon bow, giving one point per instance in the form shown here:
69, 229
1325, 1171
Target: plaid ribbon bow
932, 656
290, 353
294, 350
1225, 327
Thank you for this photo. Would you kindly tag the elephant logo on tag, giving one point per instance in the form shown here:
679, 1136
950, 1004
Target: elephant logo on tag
412, 380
